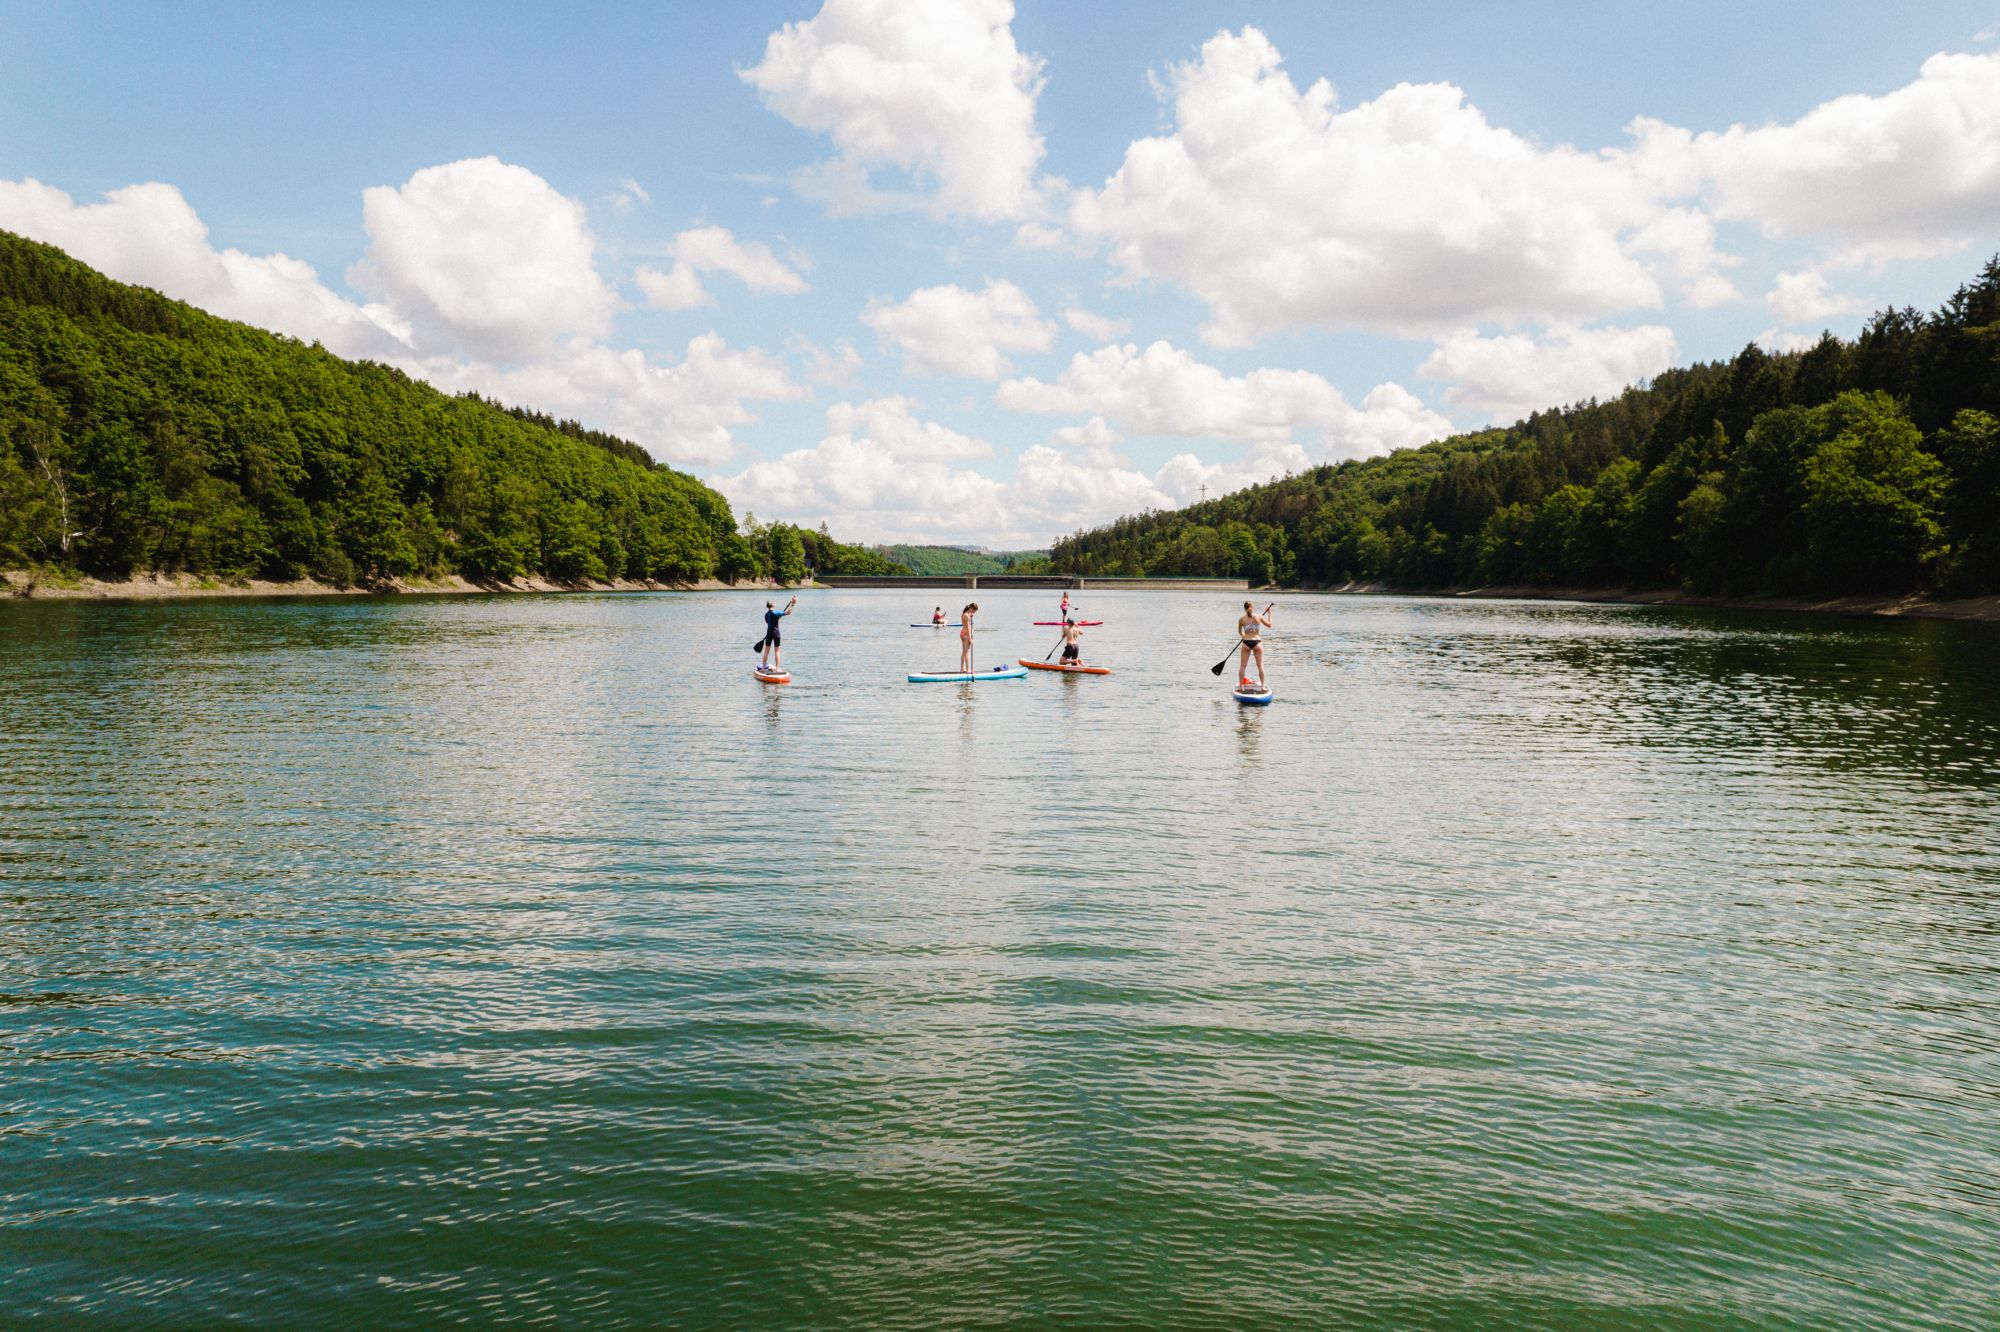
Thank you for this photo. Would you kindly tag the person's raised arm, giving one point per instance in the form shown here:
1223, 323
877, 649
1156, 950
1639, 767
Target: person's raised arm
1265, 618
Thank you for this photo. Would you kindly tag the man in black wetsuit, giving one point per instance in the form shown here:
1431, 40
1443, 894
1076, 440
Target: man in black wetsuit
773, 659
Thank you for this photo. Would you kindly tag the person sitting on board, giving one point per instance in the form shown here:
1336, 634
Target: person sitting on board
965, 637
1072, 653
937, 615
1250, 629
773, 659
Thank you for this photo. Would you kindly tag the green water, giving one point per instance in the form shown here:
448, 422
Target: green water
403, 962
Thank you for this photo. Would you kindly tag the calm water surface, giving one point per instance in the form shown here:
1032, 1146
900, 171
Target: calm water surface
524, 960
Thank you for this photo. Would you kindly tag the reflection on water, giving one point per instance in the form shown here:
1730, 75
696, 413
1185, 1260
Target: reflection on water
519, 958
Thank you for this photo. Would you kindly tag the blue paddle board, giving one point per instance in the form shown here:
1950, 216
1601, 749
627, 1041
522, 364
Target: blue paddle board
960, 677
1252, 695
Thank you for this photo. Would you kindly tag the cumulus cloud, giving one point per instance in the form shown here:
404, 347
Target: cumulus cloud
934, 90
1094, 440
1413, 214
951, 331
1409, 213
1804, 297
1042, 236
681, 412
1187, 479
1097, 327
485, 256
1514, 374
677, 289
1164, 390
882, 473
1916, 164
879, 470
834, 366
715, 250
1777, 340
150, 235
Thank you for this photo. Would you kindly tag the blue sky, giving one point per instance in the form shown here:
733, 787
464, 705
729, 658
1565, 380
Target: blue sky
949, 269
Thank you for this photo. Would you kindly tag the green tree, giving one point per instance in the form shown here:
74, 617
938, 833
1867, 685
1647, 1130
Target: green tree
1873, 498
788, 555
1970, 449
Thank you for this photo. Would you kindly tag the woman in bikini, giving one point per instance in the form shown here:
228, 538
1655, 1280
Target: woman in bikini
1250, 628
965, 637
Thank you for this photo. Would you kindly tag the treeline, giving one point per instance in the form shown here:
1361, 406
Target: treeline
138, 433
944, 561
1870, 465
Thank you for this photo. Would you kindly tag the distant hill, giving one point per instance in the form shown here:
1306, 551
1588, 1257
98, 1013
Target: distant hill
1862, 466
941, 561
139, 433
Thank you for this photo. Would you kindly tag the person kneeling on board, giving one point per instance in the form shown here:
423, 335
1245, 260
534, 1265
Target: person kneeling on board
773, 658
1072, 653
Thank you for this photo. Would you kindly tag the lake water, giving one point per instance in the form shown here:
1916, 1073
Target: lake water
521, 959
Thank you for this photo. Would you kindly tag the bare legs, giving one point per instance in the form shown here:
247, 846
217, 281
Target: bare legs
1250, 649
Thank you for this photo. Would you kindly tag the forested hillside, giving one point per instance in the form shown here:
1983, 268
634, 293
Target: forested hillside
941, 561
138, 433
1863, 466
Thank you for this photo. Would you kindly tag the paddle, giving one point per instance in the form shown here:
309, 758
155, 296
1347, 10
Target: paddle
1217, 668
1052, 651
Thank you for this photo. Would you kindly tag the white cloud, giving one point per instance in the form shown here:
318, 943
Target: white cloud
1052, 493
484, 256
1164, 390
628, 195
951, 331
1042, 236
1410, 213
714, 250
1777, 340
678, 289
1096, 326
1920, 163
681, 413
878, 471
148, 234
833, 367
883, 474
1095, 441
1803, 298
1190, 480
933, 89
1514, 374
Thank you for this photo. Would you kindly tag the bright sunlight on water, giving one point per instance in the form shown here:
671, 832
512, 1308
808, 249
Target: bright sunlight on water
523, 959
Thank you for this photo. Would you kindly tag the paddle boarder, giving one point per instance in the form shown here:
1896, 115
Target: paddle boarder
1250, 628
965, 636
1072, 653
937, 616
770, 646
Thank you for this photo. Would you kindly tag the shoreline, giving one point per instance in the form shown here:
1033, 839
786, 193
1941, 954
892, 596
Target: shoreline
1908, 605
29, 585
